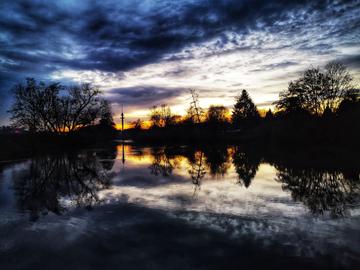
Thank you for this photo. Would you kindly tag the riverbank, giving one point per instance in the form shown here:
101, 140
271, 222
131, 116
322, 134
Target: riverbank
288, 132
18, 146
335, 137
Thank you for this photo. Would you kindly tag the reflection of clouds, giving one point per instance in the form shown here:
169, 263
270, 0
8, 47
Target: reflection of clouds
262, 216
263, 213
302, 236
321, 191
264, 197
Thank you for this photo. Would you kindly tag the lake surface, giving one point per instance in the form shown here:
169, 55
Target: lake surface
136, 207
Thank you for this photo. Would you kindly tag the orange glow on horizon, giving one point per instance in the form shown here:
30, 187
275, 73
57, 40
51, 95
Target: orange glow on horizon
126, 126
144, 125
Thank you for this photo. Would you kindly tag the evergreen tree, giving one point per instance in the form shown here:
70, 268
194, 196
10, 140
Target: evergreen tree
245, 112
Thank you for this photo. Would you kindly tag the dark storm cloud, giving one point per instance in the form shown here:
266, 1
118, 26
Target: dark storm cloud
280, 65
39, 37
115, 36
144, 96
352, 61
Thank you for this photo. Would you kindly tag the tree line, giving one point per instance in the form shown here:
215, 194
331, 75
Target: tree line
54, 108
317, 93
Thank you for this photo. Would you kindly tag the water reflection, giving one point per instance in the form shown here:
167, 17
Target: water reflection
163, 162
217, 160
246, 165
55, 183
197, 169
152, 201
52, 183
321, 191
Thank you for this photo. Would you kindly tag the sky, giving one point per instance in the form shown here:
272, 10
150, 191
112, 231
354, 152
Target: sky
142, 53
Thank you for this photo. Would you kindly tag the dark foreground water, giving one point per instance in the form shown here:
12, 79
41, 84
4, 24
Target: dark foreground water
220, 207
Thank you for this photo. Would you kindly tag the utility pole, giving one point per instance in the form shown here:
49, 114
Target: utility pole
122, 134
123, 154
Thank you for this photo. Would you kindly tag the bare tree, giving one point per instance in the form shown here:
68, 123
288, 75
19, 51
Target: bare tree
34, 106
84, 106
53, 108
161, 116
155, 117
195, 112
339, 84
217, 114
317, 90
137, 124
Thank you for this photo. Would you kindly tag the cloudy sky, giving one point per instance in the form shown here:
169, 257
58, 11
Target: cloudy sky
148, 52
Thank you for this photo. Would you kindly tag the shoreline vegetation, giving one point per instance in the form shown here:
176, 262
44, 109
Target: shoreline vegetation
322, 107
320, 110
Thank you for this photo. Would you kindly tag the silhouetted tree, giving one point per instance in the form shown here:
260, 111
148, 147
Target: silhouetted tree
161, 116
194, 112
217, 116
269, 115
290, 103
338, 84
137, 124
327, 114
35, 107
350, 104
106, 118
54, 108
317, 90
155, 117
245, 112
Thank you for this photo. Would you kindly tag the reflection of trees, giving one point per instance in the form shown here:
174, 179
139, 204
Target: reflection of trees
197, 169
217, 160
246, 166
162, 164
51, 181
321, 191
107, 157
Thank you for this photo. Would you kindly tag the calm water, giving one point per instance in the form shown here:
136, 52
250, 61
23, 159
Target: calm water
183, 207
